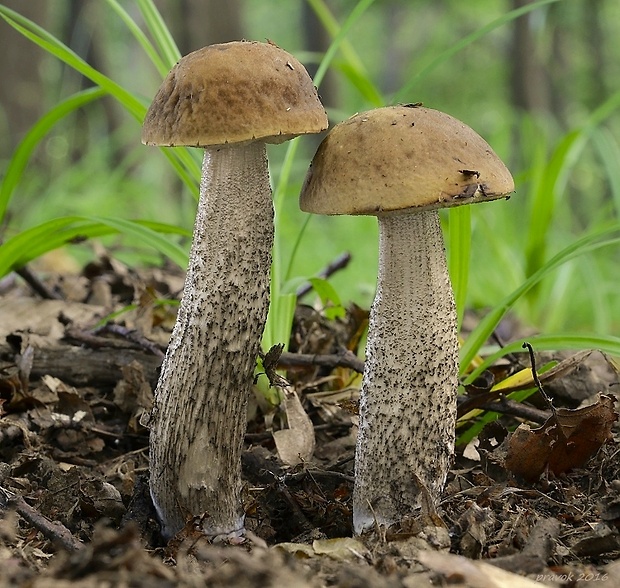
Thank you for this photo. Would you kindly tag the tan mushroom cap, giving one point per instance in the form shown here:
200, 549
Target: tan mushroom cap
402, 157
232, 93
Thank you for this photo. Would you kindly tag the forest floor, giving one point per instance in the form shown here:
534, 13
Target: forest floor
539, 506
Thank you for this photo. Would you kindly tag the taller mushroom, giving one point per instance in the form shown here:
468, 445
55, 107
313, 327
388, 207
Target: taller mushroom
230, 99
401, 164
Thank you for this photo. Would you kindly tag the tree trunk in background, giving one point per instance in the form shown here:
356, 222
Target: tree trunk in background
21, 89
396, 56
84, 31
529, 80
594, 34
316, 39
197, 23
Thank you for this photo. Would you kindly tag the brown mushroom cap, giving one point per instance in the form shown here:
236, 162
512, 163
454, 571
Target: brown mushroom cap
233, 93
402, 157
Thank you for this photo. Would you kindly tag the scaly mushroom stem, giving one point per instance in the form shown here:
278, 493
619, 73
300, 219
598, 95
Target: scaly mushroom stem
199, 417
408, 395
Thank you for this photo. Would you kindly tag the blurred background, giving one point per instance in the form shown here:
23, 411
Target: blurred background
542, 89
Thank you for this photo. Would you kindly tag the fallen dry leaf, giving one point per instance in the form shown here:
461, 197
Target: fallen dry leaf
341, 548
40, 318
473, 574
295, 444
299, 550
565, 441
133, 394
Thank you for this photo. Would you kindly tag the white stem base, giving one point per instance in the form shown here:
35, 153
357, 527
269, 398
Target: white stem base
199, 417
408, 395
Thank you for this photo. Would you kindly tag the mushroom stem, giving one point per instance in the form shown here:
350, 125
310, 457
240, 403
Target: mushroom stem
408, 396
199, 416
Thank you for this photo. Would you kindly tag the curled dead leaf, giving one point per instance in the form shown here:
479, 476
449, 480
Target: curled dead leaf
565, 441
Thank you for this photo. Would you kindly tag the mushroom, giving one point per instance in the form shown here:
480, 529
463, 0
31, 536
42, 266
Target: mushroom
403, 163
231, 99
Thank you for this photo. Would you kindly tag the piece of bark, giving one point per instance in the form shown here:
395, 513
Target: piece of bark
79, 366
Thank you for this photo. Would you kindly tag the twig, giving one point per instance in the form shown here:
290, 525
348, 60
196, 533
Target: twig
346, 358
546, 398
36, 284
509, 407
133, 336
318, 474
512, 357
88, 339
130, 340
339, 263
54, 531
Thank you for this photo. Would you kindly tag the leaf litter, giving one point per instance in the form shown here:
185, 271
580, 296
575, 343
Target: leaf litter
534, 498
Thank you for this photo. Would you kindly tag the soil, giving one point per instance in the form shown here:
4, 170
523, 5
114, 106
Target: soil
79, 356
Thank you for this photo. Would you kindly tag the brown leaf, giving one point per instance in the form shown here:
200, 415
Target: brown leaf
565, 441
295, 444
133, 394
462, 571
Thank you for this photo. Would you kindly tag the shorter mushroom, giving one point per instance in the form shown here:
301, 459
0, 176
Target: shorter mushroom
231, 99
401, 164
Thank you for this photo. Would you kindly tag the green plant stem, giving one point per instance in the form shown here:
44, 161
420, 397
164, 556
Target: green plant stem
459, 240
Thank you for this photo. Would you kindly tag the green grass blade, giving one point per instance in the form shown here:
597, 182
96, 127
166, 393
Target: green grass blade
53, 46
279, 194
186, 167
296, 245
35, 241
362, 83
184, 164
401, 95
282, 308
21, 155
595, 240
331, 25
159, 31
607, 344
604, 110
279, 320
353, 67
142, 39
608, 150
147, 236
603, 314
545, 196
165, 229
339, 37
459, 249
280, 190
552, 179
490, 416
